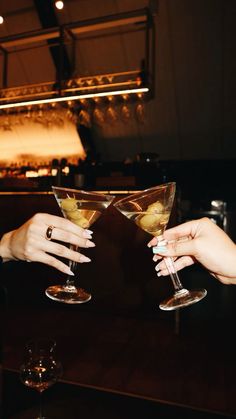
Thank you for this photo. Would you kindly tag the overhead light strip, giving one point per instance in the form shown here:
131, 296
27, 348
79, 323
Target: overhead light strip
75, 97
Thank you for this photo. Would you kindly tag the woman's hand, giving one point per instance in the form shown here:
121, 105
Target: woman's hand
30, 242
198, 240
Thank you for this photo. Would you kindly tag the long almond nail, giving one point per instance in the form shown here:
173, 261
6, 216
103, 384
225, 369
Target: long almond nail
84, 259
87, 234
88, 231
157, 268
68, 271
90, 244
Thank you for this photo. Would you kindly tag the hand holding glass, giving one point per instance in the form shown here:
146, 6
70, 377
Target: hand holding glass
150, 210
83, 209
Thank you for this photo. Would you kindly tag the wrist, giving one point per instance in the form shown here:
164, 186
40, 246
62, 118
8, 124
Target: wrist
5, 253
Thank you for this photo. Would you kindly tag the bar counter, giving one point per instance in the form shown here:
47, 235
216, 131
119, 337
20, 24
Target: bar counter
119, 347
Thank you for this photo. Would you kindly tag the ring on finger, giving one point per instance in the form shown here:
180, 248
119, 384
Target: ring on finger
49, 231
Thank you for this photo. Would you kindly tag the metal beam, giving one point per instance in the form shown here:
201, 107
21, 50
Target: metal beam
47, 33
48, 19
29, 37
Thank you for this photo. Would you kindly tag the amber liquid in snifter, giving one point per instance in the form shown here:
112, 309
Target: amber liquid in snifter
38, 377
40, 369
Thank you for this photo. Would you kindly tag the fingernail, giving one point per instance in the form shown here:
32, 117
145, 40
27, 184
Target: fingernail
159, 273
90, 244
87, 234
159, 249
84, 259
68, 271
149, 245
157, 267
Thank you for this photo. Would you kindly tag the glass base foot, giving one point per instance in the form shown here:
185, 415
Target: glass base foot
183, 299
72, 295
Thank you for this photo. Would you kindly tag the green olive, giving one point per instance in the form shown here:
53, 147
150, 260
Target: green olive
148, 221
155, 208
81, 222
69, 204
73, 215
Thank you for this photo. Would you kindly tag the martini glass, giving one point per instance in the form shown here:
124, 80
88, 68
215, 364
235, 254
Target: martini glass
82, 208
150, 210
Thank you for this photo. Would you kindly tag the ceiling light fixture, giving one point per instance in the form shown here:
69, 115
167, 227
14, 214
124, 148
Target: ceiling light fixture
76, 97
59, 5
1, 19
131, 82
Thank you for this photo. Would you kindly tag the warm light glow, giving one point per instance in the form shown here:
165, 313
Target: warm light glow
76, 97
1, 20
66, 170
54, 172
32, 142
31, 173
43, 171
59, 5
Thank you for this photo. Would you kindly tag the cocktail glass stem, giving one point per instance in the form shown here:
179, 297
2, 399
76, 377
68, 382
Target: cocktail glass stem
70, 285
179, 289
70, 282
41, 405
69, 292
169, 262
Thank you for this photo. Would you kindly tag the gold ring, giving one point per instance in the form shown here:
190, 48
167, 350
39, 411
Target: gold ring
49, 232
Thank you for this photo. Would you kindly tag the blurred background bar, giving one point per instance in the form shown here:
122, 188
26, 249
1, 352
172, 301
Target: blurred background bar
119, 96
